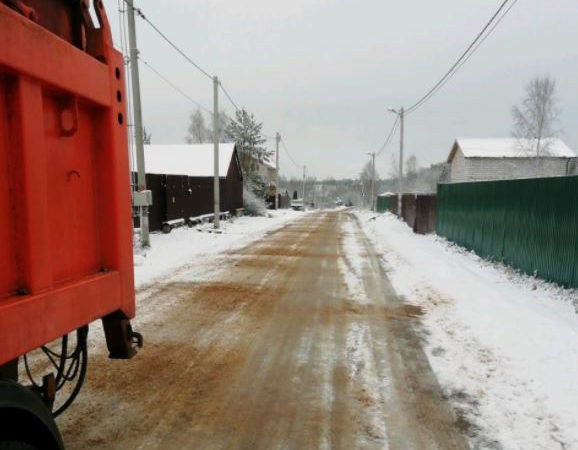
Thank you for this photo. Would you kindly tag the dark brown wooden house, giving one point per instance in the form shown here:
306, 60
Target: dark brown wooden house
181, 180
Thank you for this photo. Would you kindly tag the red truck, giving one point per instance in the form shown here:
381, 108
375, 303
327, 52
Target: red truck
65, 214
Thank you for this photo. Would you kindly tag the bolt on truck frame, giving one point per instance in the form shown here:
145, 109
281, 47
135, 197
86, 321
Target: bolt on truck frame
65, 217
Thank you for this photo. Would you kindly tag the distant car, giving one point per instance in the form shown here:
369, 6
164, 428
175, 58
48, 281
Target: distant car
297, 205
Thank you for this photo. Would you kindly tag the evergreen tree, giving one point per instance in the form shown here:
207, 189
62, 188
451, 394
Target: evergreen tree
246, 132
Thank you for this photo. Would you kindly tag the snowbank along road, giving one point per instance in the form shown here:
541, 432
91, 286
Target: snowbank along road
296, 341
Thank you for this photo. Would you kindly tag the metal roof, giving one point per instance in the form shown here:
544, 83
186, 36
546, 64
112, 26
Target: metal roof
509, 148
193, 160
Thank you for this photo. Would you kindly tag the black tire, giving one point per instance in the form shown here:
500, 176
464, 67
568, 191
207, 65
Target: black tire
26, 422
17, 445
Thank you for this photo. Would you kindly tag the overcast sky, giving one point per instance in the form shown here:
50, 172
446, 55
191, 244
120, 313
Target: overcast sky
323, 72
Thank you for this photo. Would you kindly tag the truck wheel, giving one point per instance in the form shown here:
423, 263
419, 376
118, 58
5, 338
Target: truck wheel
17, 445
27, 424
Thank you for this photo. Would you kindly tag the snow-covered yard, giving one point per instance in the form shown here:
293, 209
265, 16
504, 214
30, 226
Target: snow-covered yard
186, 246
504, 346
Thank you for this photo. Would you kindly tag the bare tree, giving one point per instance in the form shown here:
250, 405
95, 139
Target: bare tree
411, 166
365, 181
411, 174
536, 118
223, 124
394, 168
197, 131
146, 136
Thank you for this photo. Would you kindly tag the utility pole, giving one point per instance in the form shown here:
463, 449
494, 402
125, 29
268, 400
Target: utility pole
401, 118
277, 139
401, 114
372, 184
141, 197
303, 191
216, 151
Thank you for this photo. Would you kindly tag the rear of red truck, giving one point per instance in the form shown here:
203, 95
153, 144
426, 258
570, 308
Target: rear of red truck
65, 215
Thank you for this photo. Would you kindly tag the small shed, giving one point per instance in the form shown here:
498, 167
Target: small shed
181, 180
509, 158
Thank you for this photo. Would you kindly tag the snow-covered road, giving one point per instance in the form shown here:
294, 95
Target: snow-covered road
184, 247
503, 346
296, 340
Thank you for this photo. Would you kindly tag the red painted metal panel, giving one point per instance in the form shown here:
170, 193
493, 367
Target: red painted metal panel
65, 219
55, 313
29, 49
8, 270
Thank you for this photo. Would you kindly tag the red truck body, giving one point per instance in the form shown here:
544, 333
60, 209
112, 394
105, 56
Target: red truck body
65, 217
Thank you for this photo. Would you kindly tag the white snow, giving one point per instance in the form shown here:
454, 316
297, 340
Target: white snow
351, 263
194, 246
193, 160
504, 346
510, 148
359, 344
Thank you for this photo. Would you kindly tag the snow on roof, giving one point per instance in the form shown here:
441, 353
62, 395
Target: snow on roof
269, 163
193, 160
509, 148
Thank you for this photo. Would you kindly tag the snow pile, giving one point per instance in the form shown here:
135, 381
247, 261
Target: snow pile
351, 262
185, 246
254, 206
504, 346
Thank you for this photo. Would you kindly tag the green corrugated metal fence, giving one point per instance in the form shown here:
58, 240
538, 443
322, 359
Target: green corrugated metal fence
529, 224
382, 203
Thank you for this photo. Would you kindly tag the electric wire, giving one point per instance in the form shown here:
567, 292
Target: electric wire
140, 13
487, 35
175, 87
166, 39
459, 61
229, 97
389, 137
299, 166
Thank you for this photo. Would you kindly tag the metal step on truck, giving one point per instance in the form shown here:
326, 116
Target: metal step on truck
65, 211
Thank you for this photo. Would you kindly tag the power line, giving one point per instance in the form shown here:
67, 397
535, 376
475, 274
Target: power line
460, 60
487, 35
197, 66
299, 166
184, 55
229, 97
175, 87
389, 136
154, 27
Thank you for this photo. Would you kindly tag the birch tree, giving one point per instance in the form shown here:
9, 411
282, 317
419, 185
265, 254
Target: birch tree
198, 133
535, 119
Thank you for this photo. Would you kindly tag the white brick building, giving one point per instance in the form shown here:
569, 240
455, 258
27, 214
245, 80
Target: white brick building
501, 159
